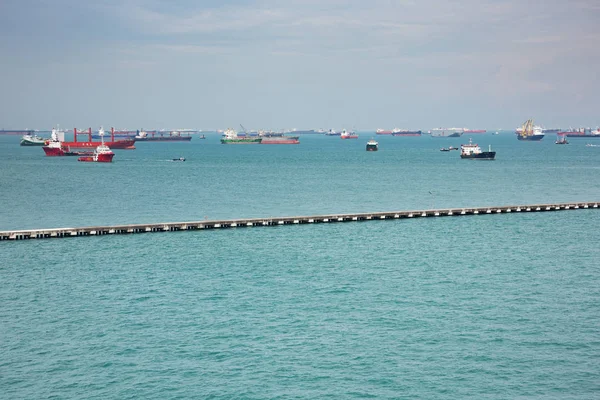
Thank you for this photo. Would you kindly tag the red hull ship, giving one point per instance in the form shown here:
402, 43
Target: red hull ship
101, 154
55, 148
127, 144
280, 140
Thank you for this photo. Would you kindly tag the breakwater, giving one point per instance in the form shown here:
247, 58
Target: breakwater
279, 221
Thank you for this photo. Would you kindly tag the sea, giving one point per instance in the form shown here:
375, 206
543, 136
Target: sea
487, 306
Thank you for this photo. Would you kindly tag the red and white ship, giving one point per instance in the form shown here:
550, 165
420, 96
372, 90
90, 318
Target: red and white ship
101, 154
115, 144
56, 148
348, 135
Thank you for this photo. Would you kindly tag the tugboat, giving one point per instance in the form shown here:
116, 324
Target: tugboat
372, 145
101, 154
473, 151
561, 139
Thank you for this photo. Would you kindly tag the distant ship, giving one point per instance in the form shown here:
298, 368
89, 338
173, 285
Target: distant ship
446, 132
304, 132
280, 140
383, 132
332, 132
474, 130
530, 132
405, 132
16, 131
171, 137
581, 133
114, 144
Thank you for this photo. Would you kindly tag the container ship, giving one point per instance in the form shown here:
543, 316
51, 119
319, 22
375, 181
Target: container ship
530, 132
405, 132
127, 144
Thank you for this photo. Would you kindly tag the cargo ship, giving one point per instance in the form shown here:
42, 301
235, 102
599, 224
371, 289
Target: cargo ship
332, 132
472, 151
530, 132
173, 136
280, 140
383, 132
581, 133
124, 144
405, 132
446, 132
231, 137
55, 148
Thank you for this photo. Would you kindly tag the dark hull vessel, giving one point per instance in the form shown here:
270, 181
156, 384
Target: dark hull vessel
407, 133
484, 155
532, 138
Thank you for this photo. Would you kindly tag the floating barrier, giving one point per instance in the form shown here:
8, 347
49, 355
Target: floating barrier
279, 221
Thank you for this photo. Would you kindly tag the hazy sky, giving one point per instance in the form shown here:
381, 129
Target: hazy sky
299, 63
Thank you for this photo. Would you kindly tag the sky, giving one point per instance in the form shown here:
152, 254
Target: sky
283, 64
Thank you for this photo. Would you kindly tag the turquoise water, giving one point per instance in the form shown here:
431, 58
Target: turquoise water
489, 306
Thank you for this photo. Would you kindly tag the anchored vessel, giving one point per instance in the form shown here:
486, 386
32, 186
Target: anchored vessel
581, 133
473, 151
173, 136
114, 144
33, 140
530, 132
280, 140
405, 132
372, 145
101, 154
383, 132
56, 148
231, 137
332, 132
446, 132
348, 135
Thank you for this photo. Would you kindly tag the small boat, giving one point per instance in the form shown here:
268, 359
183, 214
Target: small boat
473, 152
372, 145
33, 140
592, 145
561, 139
448, 148
444, 149
179, 159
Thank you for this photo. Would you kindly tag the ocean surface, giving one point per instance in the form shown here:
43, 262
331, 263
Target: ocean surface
488, 306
